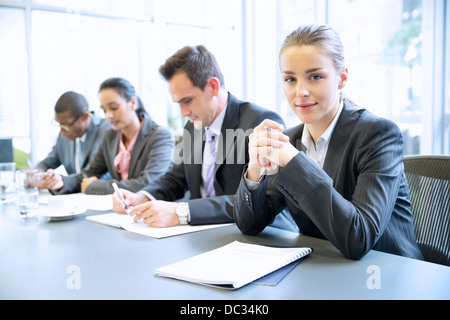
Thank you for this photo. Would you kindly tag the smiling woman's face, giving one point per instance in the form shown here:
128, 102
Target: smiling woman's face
311, 84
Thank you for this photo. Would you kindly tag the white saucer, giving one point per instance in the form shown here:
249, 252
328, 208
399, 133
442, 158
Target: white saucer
43, 212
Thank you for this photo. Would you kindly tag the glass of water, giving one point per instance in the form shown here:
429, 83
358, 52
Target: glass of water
27, 192
7, 187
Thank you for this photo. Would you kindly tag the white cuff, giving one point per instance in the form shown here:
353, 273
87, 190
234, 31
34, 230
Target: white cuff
251, 184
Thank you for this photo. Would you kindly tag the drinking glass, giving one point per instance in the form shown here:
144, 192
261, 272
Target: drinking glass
28, 192
7, 187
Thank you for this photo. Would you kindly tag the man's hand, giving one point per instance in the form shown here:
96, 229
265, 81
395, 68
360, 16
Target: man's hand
157, 214
52, 181
131, 200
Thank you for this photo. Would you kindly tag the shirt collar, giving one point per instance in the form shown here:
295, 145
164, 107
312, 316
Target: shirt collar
216, 126
83, 137
326, 136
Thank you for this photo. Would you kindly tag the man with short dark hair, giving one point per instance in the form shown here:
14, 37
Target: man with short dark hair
80, 134
213, 152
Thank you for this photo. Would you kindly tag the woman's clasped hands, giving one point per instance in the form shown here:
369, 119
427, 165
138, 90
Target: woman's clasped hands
268, 149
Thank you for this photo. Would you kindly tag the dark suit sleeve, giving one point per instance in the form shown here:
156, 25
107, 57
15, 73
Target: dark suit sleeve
171, 186
256, 209
353, 225
72, 184
212, 210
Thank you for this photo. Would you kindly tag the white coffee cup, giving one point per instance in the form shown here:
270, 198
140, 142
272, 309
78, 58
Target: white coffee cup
61, 206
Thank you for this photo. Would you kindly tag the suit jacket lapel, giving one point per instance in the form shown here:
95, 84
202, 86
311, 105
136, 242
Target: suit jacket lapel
226, 144
112, 153
87, 145
146, 129
91, 137
230, 122
295, 134
193, 145
342, 131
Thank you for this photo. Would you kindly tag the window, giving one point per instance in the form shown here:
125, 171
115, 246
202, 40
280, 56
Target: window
293, 13
396, 52
215, 24
14, 102
133, 9
383, 42
61, 45
75, 52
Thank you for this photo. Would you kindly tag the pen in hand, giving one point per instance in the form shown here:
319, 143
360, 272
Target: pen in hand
116, 188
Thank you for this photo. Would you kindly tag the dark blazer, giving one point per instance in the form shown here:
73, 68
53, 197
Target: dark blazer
232, 155
63, 152
359, 201
151, 158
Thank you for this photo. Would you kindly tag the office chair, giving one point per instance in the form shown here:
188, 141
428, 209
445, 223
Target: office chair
429, 184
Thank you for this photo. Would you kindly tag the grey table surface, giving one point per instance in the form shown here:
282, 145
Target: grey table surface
78, 259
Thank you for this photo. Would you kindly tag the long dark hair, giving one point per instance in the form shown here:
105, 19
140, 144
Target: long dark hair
126, 90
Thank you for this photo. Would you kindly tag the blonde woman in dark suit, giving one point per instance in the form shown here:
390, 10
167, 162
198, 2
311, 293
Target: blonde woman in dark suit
135, 152
340, 172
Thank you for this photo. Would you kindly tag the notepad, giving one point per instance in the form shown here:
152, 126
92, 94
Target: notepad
232, 266
126, 222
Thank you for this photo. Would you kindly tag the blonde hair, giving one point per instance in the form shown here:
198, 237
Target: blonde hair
318, 35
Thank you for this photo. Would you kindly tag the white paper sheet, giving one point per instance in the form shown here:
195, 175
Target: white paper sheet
126, 222
87, 201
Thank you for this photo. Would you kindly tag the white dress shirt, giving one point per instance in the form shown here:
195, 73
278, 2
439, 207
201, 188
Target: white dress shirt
78, 152
318, 152
216, 128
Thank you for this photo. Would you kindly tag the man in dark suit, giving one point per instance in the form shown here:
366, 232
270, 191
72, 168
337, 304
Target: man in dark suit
197, 85
80, 134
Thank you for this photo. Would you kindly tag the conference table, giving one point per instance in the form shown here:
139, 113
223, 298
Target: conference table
74, 259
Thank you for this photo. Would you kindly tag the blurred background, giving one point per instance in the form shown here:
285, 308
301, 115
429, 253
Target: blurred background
398, 56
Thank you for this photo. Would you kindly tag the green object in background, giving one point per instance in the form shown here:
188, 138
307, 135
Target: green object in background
21, 159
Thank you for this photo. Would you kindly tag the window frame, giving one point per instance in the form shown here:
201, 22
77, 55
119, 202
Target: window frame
436, 61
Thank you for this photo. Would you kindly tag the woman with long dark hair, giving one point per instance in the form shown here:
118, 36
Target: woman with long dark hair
135, 152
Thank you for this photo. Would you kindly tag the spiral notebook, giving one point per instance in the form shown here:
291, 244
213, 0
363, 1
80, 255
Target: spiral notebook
233, 265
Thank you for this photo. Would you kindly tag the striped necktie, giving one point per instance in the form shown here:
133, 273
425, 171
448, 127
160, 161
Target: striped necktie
210, 149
